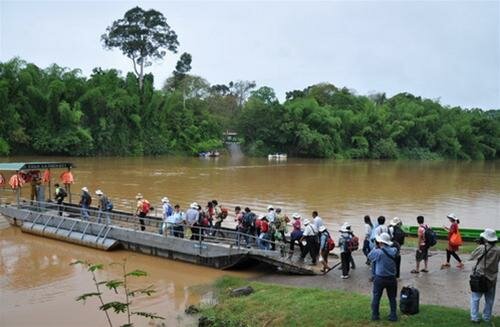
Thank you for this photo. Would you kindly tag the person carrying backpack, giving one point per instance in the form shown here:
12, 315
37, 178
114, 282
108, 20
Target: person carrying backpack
103, 207
142, 209
398, 239
167, 212
422, 246
85, 201
310, 235
59, 195
324, 251
345, 249
454, 242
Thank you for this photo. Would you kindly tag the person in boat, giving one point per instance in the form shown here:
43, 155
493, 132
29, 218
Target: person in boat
310, 235
142, 209
382, 257
366, 242
103, 207
210, 211
296, 235
249, 221
220, 214
345, 249
422, 253
167, 212
264, 234
451, 250
85, 201
487, 255
192, 218
398, 238
324, 235
59, 195
281, 223
271, 218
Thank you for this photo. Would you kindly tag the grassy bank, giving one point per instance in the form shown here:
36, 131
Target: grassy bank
441, 245
274, 305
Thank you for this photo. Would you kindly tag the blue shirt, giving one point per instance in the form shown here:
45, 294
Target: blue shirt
385, 266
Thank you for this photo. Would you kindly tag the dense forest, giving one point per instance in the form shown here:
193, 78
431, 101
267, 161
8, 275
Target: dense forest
58, 111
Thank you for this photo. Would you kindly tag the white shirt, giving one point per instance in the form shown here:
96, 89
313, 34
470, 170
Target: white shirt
368, 231
310, 230
318, 222
381, 229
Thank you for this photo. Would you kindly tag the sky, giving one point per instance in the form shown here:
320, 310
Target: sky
447, 50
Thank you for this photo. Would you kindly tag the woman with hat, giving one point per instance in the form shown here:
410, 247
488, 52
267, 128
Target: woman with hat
398, 239
345, 251
454, 241
167, 212
323, 248
296, 234
487, 255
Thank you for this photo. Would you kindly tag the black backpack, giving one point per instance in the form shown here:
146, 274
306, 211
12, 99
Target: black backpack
430, 237
398, 235
62, 192
248, 219
409, 300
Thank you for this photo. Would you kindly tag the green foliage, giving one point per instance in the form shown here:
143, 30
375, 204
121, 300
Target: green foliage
118, 286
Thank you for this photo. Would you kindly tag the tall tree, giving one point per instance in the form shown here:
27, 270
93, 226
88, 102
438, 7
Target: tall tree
142, 36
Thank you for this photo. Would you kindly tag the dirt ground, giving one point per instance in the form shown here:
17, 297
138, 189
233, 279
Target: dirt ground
449, 287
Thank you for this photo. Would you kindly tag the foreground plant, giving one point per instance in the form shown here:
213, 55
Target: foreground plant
118, 286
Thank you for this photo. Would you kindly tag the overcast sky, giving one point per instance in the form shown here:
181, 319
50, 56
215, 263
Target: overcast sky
448, 50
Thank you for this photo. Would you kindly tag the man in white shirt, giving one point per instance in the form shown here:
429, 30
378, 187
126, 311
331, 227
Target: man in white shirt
310, 235
317, 221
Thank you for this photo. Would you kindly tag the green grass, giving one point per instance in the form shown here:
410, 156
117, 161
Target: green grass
441, 245
275, 305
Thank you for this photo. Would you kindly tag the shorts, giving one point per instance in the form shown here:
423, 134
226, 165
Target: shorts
422, 253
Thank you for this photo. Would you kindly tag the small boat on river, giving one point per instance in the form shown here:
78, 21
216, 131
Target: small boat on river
468, 234
277, 156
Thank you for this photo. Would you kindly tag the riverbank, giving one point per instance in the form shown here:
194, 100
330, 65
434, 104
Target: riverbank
277, 305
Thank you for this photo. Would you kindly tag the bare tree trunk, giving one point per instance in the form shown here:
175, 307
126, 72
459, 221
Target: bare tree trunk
141, 76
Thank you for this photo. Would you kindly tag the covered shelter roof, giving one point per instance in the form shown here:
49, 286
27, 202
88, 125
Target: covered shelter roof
18, 166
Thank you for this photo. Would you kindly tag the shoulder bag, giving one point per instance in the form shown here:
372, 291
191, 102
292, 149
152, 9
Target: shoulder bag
478, 282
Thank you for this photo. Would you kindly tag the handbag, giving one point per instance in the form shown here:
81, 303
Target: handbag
456, 239
478, 282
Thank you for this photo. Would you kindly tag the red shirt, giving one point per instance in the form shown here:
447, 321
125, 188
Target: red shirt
264, 226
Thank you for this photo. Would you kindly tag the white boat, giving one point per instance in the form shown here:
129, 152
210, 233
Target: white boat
277, 156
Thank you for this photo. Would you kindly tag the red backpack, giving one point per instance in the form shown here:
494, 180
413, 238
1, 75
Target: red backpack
353, 244
330, 243
146, 206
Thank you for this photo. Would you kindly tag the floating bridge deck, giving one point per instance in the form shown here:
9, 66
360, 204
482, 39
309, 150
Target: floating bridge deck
222, 251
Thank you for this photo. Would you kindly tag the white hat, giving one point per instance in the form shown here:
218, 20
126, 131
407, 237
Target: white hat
270, 207
85, 189
322, 228
194, 205
395, 221
138, 196
98, 192
384, 238
306, 222
296, 216
165, 200
452, 216
346, 227
489, 235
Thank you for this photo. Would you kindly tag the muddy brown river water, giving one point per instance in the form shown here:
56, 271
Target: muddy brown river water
38, 287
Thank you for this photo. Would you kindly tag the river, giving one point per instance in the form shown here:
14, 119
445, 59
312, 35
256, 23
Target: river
35, 276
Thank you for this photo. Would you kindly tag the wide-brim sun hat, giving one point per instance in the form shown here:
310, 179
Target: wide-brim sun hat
98, 192
451, 216
270, 207
85, 189
296, 216
346, 227
384, 238
194, 205
138, 196
322, 228
165, 200
306, 222
489, 235
395, 221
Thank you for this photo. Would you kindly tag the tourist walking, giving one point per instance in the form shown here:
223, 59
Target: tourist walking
383, 255
103, 206
345, 249
296, 235
310, 235
271, 218
368, 233
142, 209
280, 223
398, 239
264, 234
422, 253
192, 219
167, 212
85, 201
487, 255
454, 242
179, 221
59, 195
324, 235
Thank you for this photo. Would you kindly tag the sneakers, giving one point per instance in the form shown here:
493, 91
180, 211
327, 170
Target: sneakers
345, 276
460, 265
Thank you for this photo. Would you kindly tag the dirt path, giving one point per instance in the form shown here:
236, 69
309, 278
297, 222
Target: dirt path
443, 287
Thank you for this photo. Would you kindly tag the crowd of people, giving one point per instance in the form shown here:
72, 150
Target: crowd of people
381, 244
